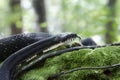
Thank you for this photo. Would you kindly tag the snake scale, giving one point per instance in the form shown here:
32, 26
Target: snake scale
31, 44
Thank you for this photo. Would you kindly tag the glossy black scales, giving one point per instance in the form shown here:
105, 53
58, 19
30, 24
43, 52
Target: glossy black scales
11, 44
9, 65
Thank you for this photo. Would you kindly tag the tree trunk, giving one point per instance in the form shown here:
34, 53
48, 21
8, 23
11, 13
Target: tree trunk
110, 26
15, 8
39, 7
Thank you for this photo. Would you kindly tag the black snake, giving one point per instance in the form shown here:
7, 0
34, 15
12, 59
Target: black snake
32, 45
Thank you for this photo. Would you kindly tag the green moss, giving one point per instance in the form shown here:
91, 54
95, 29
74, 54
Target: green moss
82, 58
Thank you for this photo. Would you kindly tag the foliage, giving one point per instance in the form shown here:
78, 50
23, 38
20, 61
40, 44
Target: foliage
83, 16
82, 58
8, 16
4, 19
88, 18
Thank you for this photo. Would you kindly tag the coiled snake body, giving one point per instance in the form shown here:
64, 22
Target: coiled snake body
9, 64
11, 44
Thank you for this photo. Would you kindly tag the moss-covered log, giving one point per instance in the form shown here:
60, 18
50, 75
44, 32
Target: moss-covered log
83, 58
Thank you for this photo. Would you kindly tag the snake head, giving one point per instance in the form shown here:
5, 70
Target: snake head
65, 37
61, 39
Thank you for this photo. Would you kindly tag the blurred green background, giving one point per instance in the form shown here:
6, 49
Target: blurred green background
99, 19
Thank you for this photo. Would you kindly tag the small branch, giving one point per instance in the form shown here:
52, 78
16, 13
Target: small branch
82, 68
59, 52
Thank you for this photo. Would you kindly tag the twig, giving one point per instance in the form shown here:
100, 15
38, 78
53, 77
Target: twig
59, 52
82, 68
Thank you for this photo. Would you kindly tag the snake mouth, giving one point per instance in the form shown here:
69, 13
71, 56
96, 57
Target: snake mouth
65, 39
69, 37
74, 41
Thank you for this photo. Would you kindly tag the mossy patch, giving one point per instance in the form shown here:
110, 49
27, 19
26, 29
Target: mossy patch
81, 58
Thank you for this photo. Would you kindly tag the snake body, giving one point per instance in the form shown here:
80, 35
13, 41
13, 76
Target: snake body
9, 64
11, 44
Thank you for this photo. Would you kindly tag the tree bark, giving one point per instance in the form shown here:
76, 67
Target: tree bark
39, 7
110, 26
